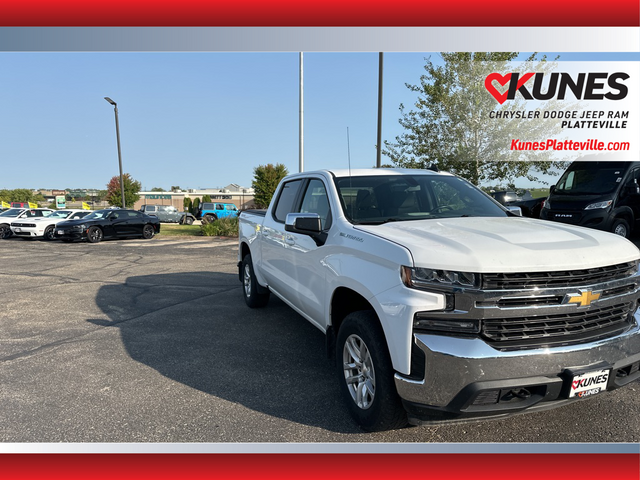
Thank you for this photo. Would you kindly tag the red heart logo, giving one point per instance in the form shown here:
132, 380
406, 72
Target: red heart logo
502, 80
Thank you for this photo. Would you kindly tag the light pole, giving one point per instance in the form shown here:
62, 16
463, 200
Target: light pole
115, 109
379, 152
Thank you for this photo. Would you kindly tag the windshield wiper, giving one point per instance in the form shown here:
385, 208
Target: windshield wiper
376, 222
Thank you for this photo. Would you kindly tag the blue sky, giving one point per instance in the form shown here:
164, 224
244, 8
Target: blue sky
196, 120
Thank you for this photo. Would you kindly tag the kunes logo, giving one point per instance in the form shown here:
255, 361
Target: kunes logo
586, 86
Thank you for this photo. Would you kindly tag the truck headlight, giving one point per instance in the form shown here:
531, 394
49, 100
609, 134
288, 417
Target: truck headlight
426, 321
595, 206
427, 277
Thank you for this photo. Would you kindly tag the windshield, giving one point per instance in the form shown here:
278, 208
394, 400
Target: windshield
98, 214
60, 214
374, 200
12, 212
591, 178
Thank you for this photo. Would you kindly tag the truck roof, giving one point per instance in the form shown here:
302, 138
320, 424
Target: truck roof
364, 172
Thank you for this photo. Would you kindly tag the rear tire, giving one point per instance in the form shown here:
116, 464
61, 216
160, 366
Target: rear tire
208, 219
621, 227
366, 374
5, 231
148, 231
250, 286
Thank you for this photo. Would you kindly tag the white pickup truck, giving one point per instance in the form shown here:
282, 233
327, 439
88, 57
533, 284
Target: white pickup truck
437, 303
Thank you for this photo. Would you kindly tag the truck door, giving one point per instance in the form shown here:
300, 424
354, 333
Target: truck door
629, 195
307, 256
275, 256
294, 261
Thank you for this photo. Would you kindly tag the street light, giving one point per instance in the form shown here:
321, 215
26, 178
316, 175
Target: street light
115, 109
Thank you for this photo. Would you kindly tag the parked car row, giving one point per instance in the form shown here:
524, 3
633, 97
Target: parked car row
70, 225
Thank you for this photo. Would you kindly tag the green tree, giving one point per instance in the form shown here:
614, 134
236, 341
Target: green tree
195, 205
265, 181
101, 195
450, 125
157, 189
186, 204
5, 195
175, 188
206, 198
21, 195
131, 189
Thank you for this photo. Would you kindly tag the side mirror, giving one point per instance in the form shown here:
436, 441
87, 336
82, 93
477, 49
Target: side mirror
303, 223
552, 188
515, 210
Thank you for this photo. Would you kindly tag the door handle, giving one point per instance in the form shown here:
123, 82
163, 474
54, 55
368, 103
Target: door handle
290, 240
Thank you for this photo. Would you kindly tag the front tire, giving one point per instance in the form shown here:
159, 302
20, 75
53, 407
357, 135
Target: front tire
94, 235
253, 297
49, 233
621, 227
366, 374
148, 232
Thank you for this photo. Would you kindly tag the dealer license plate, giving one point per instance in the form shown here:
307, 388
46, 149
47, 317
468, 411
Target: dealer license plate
590, 383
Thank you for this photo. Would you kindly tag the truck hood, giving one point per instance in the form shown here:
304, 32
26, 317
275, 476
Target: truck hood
505, 245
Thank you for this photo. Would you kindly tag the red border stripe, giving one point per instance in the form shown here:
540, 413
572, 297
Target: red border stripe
318, 466
339, 13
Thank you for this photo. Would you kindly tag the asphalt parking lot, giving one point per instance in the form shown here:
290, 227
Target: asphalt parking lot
150, 341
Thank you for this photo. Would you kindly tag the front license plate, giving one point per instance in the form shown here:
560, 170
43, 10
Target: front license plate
589, 383
60, 232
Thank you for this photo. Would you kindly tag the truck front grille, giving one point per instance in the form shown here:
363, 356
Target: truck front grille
558, 329
517, 281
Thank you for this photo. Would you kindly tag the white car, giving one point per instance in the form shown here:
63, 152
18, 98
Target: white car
13, 214
44, 227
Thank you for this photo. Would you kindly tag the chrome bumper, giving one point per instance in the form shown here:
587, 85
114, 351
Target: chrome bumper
453, 365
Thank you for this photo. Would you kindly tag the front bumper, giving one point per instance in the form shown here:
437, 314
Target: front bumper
70, 234
30, 232
465, 377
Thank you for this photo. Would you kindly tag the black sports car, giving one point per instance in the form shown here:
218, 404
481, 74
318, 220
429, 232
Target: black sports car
119, 223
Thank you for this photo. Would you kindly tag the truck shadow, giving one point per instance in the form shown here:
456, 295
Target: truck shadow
195, 328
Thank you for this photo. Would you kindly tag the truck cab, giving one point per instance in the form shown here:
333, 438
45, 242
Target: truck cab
601, 194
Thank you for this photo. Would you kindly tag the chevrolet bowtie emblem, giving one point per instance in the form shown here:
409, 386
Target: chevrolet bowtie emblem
583, 299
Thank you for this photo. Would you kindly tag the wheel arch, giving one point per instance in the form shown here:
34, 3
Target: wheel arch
624, 213
344, 301
243, 251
